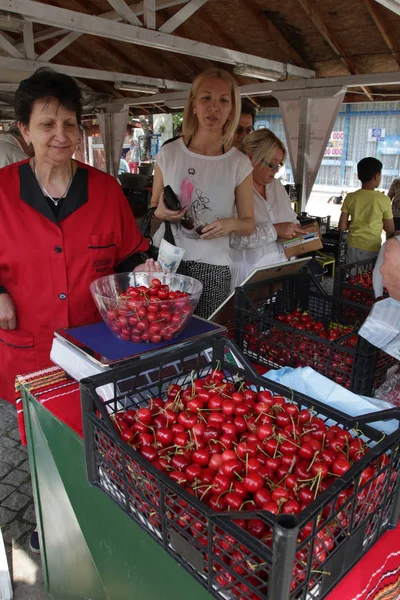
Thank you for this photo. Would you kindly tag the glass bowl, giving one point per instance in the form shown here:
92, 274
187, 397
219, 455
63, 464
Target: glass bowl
151, 314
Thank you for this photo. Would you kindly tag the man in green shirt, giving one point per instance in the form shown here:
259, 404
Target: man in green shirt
365, 213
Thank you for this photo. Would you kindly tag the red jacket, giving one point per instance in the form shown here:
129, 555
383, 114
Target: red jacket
48, 263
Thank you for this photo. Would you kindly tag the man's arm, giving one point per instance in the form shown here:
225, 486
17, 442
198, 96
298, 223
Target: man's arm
390, 268
388, 226
344, 222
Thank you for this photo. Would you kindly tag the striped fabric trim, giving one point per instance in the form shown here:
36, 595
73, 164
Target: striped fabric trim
382, 590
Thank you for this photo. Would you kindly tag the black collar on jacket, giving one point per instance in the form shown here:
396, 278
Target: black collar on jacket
31, 193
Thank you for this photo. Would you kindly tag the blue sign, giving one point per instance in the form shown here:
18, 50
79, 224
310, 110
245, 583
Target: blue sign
390, 145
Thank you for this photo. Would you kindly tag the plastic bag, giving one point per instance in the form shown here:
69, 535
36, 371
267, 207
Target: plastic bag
390, 389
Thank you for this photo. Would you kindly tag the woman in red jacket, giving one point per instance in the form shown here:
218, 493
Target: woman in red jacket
63, 224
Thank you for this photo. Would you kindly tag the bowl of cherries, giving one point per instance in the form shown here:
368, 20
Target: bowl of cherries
146, 307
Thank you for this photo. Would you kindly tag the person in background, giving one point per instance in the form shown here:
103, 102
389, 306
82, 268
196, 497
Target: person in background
133, 158
13, 147
394, 195
364, 211
390, 268
274, 216
211, 178
246, 123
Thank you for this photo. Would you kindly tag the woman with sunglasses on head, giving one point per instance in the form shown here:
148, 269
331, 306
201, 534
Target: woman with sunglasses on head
274, 216
212, 179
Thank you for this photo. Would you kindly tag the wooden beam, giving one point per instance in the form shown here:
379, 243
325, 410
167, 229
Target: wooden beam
59, 46
149, 16
273, 32
38, 12
181, 16
97, 74
125, 12
9, 47
137, 8
29, 46
381, 22
311, 11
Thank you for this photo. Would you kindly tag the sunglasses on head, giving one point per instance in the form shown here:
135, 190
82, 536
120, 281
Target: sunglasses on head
246, 130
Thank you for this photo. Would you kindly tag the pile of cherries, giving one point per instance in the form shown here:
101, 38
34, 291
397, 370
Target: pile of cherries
362, 291
288, 347
149, 314
237, 449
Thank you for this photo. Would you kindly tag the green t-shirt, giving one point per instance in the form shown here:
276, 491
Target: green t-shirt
367, 209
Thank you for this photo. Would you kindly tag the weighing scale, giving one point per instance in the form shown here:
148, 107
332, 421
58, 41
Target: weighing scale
89, 349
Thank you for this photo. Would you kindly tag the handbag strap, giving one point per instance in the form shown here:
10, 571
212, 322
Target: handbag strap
145, 222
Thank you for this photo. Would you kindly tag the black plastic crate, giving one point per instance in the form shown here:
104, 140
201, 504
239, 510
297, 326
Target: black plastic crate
335, 242
349, 360
323, 222
353, 282
333, 532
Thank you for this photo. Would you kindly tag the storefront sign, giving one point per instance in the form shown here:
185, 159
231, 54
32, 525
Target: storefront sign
390, 145
376, 134
335, 144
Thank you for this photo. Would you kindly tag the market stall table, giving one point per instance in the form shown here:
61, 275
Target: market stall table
92, 549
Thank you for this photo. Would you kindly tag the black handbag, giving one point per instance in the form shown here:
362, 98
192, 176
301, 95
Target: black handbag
145, 228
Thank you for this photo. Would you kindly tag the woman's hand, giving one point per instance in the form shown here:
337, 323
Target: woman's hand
219, 228
150, 266
8, 314
165, 214
288, 230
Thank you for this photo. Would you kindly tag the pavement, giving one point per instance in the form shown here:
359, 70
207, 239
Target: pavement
17, 512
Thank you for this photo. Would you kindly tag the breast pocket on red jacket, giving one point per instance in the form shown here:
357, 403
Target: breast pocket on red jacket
102, 253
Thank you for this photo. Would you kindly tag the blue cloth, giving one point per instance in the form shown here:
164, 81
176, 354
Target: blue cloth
307, 381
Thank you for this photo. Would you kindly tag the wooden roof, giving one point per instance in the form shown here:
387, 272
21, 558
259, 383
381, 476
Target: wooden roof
330, 38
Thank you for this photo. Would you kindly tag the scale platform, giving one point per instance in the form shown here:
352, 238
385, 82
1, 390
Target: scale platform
98, 344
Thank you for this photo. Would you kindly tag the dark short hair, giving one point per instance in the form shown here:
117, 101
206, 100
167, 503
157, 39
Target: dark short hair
248, 109
367, 168
47, 83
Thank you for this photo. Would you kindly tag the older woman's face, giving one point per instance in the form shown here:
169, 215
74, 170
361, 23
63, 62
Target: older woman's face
53, 131
264, 174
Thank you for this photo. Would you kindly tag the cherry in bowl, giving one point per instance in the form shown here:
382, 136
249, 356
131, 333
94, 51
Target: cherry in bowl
146, 307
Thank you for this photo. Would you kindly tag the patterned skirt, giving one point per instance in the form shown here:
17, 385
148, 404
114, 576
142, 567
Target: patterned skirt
216, 280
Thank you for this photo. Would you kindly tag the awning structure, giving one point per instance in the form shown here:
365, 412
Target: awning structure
306, 55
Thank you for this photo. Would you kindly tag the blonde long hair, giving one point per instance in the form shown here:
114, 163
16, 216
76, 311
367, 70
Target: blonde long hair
190, 123
262, 145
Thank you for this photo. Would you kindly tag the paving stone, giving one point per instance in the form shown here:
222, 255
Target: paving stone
4, 468
8, 406
26, 488
14, 434
16, 501
16, 477
6, 442
14, 456
29, 515
6, 516
7, 420
24, 466
15, 531
5, 491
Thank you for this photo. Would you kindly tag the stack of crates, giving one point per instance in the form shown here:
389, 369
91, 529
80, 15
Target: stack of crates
322, 333
335, 243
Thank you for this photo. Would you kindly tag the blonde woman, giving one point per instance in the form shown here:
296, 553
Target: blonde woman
212, 180
274, 216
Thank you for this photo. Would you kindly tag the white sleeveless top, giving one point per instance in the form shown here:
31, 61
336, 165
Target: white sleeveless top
205, 185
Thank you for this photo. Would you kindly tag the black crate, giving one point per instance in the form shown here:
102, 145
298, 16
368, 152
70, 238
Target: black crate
353, 282
334, 531
334, 242
323, 222
349, 360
